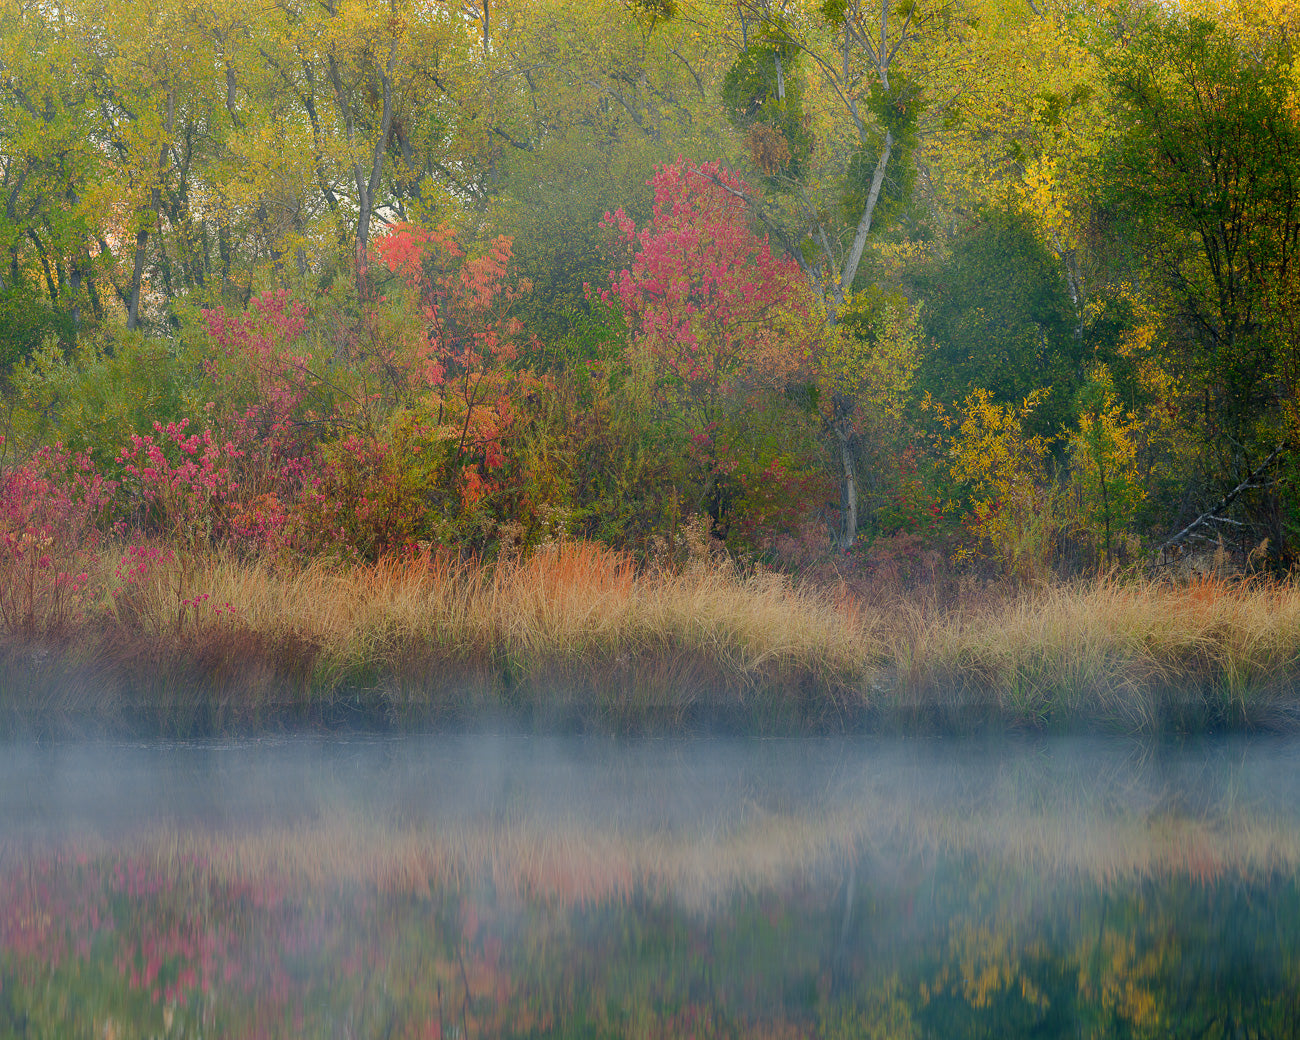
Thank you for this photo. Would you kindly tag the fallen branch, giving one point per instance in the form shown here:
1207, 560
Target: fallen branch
1213, 515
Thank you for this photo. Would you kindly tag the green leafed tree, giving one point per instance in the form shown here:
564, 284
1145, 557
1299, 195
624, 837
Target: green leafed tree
1204, 185
1000, 314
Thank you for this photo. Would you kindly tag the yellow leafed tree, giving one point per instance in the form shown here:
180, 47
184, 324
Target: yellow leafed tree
1013, 501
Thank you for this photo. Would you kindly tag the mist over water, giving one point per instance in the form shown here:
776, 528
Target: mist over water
677, 785
511, 885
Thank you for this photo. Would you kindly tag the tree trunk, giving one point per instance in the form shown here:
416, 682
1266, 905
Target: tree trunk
851, 262
74, 284
153, 208
137, 276
848, 490
51, 287
842, 427
368, 182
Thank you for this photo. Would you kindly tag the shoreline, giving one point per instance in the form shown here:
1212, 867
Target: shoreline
46, 695
577, 638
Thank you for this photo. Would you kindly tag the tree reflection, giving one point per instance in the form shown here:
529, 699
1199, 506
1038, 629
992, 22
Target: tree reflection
108, 942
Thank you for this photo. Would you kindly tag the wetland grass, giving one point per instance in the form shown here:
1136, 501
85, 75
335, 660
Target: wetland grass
1135, 656
574, 634
577, 635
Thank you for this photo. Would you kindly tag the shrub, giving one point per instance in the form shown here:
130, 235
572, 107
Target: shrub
48, 508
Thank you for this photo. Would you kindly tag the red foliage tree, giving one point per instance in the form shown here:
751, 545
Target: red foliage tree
724, 322
468, 357
705, 295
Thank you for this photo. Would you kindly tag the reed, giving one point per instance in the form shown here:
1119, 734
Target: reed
578, 634
575, 630
1138, 655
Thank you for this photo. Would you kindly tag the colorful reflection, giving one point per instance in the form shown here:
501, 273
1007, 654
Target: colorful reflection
1011, 915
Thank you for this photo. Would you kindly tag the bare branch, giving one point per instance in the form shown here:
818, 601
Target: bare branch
1214, 514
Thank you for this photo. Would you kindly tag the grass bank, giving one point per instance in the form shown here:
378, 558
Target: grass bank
570, 636
577, 635
1131, 656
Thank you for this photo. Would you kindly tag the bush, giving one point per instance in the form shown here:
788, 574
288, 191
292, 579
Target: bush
26, 322
48, 508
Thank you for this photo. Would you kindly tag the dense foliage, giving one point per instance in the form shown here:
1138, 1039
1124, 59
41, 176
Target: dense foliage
1011, 285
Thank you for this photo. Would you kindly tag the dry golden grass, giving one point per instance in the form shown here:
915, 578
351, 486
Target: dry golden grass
1121, 649
577, 629
571, 600
574, 625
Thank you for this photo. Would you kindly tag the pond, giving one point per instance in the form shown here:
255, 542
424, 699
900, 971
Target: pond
515, 886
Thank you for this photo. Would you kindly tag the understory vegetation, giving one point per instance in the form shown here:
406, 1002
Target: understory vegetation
640, 364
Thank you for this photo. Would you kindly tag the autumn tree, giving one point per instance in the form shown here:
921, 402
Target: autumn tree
148, 82
1204, 177
461, 368
836, 103
830, 167
719, 320
1013, 510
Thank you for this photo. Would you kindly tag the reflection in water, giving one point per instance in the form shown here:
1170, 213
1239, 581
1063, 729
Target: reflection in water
495, 887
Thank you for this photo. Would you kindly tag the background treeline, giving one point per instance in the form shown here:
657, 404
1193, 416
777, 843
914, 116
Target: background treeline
1006, 283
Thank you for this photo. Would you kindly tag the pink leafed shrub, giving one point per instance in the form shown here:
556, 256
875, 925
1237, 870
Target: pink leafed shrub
727, 327
180, 484
261, 349
273, 411
48, 507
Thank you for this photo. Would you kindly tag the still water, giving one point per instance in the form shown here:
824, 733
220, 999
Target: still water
512, 886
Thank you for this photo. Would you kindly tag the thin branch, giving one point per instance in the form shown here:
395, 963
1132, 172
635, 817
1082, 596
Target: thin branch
771, 225
523, 146
689, 68
1214, 514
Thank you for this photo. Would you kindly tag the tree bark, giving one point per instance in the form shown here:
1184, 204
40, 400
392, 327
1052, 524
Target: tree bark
841, 422
137, 277
153, 207
848, 487
851, 262
367, 187
367, 182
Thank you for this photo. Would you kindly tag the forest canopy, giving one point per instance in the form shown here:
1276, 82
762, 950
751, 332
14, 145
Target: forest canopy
1011, 283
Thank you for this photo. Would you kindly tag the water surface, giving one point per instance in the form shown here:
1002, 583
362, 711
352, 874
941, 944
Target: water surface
526, 886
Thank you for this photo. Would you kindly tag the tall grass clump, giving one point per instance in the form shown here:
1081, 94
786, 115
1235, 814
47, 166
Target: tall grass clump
576, 625
574, 631
1135, 655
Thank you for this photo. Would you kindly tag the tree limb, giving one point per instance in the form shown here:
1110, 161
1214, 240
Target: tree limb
1213, 514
